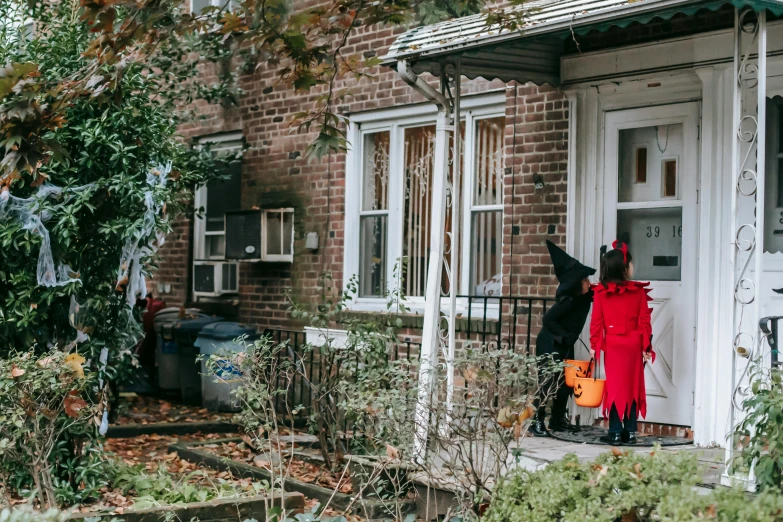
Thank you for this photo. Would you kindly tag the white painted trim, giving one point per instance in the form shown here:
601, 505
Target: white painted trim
426, 110
571, 180
278, 258
713, 335
654, 58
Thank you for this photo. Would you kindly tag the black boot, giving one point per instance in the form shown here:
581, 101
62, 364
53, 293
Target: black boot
629, 437
562, 424
538, 428
613, 439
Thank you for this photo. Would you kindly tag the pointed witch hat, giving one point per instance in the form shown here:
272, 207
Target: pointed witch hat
568, 270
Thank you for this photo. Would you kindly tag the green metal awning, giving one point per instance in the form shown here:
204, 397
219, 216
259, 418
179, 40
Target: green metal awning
532, 52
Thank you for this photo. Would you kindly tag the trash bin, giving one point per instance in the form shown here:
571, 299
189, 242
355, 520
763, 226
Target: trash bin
223, 374
166, 348
185, 334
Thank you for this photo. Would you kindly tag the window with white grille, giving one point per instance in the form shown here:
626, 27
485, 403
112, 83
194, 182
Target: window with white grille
391, 176
216, 198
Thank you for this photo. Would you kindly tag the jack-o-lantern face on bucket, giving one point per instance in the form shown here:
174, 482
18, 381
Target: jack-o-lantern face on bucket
578, 391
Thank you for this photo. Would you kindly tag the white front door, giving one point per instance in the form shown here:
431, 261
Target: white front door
650, 184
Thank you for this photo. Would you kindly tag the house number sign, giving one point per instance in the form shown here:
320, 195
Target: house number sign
655, 231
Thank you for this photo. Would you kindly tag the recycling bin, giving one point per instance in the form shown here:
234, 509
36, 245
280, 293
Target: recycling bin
220, 345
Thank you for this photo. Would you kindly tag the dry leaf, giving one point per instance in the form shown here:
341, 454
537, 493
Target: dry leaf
526, 414
74, 404
506, 418
517, 431
617, 452
45, 362
392, 452
16, 372
75, 361
121, 284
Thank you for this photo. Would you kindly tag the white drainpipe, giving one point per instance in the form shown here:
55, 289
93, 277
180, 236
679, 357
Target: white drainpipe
430, 339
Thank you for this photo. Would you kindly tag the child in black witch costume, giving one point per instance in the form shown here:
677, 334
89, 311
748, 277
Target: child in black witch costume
562, 324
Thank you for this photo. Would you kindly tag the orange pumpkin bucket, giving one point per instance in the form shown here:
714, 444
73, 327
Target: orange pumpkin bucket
575, 368
589, 393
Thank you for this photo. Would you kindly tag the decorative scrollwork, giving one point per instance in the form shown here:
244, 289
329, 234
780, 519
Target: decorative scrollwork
748, 135
745, 245
745, 291
746, 182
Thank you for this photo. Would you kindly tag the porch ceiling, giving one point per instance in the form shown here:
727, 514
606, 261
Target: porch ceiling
532, 52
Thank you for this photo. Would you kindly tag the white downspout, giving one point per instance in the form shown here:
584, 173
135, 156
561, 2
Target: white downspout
430, 339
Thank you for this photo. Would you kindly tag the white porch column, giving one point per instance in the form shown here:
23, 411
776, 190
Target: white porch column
430, 338
712, 398
748, 159
431, 333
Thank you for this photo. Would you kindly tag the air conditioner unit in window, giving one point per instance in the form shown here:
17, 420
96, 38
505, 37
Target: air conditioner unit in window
243, 235
260, 235
212, 279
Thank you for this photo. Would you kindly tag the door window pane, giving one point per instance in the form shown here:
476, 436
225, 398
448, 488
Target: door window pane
654, 238
773, 208
372, 259
645, 155
375, 182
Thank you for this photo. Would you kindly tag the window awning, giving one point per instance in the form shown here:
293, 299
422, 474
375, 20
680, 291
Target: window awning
532, 52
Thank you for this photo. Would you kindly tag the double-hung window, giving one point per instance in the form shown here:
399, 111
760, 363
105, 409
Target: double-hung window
216, 198
389, 200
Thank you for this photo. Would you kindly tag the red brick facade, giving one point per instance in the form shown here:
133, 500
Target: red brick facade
277, 173
275, 169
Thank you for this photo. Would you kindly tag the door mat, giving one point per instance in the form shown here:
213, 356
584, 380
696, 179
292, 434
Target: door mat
593, 434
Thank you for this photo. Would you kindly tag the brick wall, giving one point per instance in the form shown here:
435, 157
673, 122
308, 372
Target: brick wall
277, 173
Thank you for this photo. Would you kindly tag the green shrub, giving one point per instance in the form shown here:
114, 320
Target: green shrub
160, 487
627, 487
760, 434
604, 490
25, 514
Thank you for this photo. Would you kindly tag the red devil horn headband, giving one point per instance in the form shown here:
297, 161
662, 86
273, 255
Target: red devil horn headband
622, 247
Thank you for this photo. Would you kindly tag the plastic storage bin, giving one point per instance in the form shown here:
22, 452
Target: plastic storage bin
166, 348
221, 376
185, 334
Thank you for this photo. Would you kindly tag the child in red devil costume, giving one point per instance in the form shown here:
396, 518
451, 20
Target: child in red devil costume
620, 328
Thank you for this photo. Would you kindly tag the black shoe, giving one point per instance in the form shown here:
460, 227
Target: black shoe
538, 428
563, 424
629, 437
613, 439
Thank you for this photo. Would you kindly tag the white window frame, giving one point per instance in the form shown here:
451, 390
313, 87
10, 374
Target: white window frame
396, 120
212, 3
222, 142
284, 258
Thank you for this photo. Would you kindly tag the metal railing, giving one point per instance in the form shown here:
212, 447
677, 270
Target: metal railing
506, 322
769, 327
509, 322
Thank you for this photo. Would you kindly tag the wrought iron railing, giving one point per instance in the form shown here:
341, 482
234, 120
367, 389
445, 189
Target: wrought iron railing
505, 322
769, 327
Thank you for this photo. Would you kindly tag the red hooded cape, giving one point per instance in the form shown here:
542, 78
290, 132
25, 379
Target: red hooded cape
620, 328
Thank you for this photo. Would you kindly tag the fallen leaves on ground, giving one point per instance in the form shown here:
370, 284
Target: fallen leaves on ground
298, 468
135, 409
